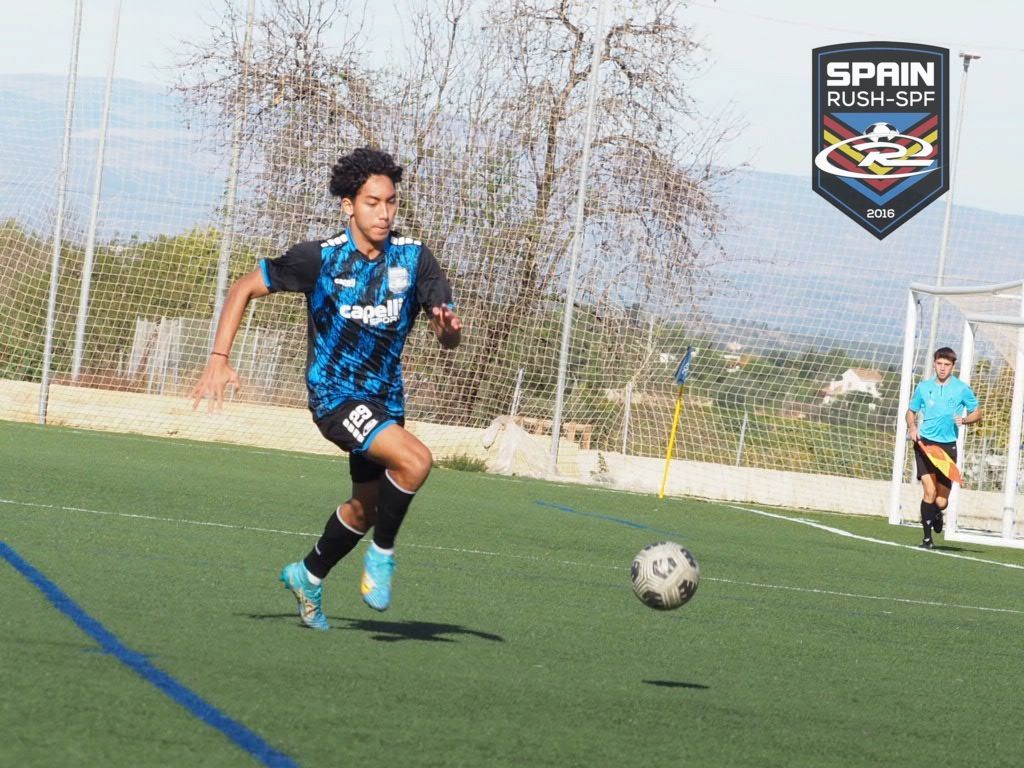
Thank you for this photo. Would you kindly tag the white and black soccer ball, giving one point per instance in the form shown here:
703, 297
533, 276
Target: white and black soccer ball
881, 132
665, 575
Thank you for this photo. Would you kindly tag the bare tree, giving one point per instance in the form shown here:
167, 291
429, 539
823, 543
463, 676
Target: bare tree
652, 220
485, 108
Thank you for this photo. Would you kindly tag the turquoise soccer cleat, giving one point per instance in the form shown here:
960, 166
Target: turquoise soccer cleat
308, 595
376, 586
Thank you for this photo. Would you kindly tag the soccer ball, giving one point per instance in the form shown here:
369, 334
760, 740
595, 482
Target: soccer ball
665, 575
881, 132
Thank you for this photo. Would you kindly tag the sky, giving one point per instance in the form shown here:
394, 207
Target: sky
758, 67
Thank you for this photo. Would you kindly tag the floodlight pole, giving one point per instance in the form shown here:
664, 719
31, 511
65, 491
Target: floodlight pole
577, 238
62, 189
97, 190
940, 272
224, 259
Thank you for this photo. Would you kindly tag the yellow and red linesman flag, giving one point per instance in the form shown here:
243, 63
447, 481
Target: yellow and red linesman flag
942, 462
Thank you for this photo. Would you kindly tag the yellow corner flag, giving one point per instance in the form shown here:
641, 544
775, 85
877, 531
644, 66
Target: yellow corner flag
681, 373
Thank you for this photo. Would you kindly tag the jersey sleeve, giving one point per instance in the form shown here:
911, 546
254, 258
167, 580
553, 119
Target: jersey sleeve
432, 288
917, 401
969, 399
297, 270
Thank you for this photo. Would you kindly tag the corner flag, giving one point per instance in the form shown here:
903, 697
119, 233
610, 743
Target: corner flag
684, 367
681, 373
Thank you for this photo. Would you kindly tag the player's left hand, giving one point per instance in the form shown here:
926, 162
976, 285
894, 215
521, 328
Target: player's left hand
447, 325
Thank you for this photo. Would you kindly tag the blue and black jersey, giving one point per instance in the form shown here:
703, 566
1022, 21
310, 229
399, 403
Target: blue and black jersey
360, 312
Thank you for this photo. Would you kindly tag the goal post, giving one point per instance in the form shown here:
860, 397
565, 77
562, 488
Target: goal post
992, 361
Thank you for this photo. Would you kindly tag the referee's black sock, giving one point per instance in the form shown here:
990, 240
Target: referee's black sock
392, 504
336, 542
928, 510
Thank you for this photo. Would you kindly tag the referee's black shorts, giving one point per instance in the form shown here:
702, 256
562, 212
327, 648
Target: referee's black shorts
925, 467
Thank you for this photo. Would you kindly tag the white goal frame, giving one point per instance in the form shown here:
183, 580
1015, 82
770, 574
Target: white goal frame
954, 532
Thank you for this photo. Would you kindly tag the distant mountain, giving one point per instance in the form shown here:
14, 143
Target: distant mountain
798, 265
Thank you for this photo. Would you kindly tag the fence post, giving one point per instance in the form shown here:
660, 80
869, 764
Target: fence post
743, 438
627, 407
517, 394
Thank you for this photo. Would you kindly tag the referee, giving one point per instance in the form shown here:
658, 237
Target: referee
935, 412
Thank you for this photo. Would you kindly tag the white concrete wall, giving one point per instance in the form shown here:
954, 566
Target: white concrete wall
504, 446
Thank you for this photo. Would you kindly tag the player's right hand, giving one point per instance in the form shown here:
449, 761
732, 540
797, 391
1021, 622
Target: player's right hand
216, 377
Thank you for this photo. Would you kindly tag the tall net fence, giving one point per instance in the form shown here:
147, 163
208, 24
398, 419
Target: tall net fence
794, 312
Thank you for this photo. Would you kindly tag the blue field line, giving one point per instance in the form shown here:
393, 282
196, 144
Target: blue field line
619, 520
144, 668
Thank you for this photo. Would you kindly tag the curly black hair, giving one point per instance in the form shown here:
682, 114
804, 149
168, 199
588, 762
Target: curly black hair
352, 170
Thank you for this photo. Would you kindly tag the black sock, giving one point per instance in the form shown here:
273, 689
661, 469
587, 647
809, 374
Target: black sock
392, 504
336, 542
928, 510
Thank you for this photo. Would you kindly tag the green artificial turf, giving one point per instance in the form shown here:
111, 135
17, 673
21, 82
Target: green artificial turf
514, 639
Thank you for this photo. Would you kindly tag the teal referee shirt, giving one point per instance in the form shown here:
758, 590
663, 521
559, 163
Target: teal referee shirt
939, 404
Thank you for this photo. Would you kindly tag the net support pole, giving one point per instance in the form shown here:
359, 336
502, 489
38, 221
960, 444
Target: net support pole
94, 210
899, 453
58, 235
224, 259
577, 237
1013, 450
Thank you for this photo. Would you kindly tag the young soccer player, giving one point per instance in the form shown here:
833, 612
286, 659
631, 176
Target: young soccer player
364, 289
935, 412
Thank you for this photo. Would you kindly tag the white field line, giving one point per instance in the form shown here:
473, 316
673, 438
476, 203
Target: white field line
487, 553
848, 535
904, 600
154, 518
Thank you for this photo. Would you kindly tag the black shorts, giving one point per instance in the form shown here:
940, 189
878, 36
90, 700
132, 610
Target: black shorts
353, 427
924, 466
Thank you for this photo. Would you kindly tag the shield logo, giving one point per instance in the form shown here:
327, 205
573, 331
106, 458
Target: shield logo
398, 279
880, 141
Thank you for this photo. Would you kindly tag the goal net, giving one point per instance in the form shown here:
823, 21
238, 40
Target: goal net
991, 359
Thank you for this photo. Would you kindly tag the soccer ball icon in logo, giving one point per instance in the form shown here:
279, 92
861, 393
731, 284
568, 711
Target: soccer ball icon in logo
665, 575
881, 132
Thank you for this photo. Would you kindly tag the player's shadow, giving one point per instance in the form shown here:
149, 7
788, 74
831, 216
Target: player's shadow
676, 684
392, 631
425, 631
